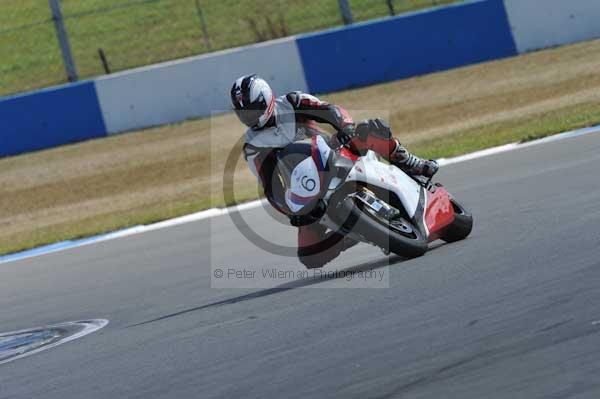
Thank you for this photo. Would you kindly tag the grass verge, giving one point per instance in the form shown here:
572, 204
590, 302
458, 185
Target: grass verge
521, 130
140, 32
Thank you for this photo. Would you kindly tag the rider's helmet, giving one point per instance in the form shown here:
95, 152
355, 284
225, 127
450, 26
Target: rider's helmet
253, 101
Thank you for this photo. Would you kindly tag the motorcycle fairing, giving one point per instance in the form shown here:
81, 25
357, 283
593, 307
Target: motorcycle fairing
429, 209
369, 169
305, 185
308, 177
439, 212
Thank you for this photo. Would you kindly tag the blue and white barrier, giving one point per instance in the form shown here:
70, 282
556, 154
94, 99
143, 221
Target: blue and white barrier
400, 47
49, 118
377, 51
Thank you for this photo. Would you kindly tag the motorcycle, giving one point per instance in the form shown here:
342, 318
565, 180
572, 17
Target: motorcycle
367, 199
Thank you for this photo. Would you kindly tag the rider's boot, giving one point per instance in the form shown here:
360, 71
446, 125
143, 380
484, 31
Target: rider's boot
412, 164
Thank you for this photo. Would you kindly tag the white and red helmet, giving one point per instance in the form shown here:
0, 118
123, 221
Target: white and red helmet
253, 101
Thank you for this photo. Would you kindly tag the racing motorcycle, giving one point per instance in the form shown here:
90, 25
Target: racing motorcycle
367, 199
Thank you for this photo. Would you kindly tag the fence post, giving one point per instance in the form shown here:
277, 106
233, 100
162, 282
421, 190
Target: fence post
390, 5
345, 11
63, 40
203, 26
104, 61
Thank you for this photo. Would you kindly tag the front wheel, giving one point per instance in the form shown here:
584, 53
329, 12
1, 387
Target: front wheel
462, 225
396, 235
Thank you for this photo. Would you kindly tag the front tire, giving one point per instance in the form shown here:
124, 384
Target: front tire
381, 232
462, 225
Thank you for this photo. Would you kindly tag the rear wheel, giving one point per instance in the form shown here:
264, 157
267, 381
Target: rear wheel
396, 234
462, 225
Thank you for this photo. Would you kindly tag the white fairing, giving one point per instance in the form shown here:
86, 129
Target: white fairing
304, 186
370, 170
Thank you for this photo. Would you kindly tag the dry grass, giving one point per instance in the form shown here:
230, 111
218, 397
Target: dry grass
141, 177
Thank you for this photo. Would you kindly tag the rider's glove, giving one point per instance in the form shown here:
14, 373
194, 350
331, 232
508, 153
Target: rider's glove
346, 134
363, 129
378, 127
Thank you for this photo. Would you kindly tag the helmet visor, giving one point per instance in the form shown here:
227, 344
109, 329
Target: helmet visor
251, 113
249, 117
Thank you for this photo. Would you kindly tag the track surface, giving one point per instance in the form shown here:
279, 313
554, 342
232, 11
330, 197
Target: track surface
512, 312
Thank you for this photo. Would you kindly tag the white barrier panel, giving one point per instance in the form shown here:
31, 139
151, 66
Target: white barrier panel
538, 24
193, 87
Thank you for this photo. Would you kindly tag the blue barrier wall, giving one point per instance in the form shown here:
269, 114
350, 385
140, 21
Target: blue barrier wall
48, 118
405, 46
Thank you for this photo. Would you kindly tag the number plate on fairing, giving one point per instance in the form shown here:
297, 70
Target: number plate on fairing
305, 185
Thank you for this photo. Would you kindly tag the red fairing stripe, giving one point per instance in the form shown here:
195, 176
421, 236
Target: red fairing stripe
439, 212
346, 153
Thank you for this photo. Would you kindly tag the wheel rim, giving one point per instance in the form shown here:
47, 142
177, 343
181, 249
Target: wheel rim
402, 226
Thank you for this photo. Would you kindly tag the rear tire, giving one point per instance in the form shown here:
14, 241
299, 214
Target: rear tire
462, 225
379, 232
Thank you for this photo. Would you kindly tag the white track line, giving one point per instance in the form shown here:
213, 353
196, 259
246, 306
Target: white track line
90, 326
214, 212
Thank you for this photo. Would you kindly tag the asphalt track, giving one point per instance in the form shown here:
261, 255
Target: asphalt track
512, 312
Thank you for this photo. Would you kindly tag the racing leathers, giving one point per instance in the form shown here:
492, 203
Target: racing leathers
295, 118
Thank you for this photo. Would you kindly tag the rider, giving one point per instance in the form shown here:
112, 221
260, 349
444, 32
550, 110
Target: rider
276, 122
